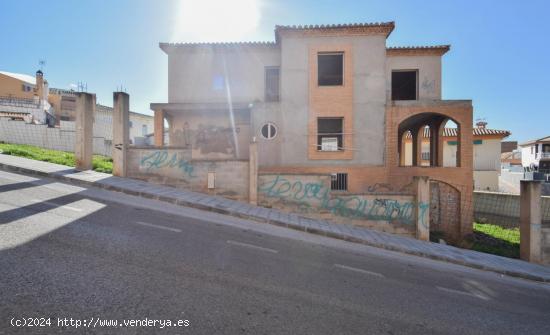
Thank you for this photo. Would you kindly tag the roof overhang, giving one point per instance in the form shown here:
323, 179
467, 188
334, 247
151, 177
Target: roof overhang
173, 47
353, 29
436, 50
537, 141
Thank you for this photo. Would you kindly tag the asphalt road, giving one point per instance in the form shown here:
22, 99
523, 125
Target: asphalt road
93, 255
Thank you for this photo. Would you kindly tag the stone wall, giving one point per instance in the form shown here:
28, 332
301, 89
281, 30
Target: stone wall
175, 167
40, 135
310, 195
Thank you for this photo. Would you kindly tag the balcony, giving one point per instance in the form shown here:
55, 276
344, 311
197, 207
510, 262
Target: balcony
542, 155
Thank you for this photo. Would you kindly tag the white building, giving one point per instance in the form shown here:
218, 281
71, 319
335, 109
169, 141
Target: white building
535, 154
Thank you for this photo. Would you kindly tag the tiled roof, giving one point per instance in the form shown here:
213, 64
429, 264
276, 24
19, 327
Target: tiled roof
452, 132
323, 29
390, 24
219, 44
350, 28
418, 50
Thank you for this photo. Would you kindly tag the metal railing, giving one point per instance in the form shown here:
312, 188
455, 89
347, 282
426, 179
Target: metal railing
539, 155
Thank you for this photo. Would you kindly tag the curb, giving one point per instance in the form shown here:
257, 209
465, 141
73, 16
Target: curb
220, 209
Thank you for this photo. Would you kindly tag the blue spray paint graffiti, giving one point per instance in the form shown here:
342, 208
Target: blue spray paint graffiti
162, 159
315, 195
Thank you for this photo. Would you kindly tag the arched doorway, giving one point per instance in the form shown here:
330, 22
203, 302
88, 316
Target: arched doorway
444, 211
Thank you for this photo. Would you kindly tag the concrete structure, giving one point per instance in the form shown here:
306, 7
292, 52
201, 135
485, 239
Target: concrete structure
508, 146
84, 131
121, 135
422, 186
327, 104
530, 221
487, 156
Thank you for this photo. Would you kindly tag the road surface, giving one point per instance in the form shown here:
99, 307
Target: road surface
87, 256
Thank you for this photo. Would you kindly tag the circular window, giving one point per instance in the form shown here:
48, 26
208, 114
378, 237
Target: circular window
269, 131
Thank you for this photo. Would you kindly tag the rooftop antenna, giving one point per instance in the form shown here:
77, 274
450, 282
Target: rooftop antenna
82, 87
41, 64
121, 88
481, 122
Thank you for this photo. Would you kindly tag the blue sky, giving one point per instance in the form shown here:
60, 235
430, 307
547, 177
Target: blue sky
499, 56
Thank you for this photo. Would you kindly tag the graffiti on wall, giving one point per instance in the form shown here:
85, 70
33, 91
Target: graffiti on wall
315, 196
212, 139
161, 159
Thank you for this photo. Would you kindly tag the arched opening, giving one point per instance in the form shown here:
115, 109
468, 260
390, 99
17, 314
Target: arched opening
424, 140
405, 149
451, 143
444, 211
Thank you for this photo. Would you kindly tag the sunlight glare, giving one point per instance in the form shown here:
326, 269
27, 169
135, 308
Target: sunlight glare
215, 20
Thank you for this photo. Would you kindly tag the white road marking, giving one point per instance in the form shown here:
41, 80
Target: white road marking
450, 290
158, 227
57, 205
350, 268
252, 246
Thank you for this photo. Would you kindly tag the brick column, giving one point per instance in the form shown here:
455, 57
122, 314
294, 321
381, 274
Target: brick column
121, 132
159, 128
416, 147
253, 174
422, 188
530, 221
401, 148
84, 124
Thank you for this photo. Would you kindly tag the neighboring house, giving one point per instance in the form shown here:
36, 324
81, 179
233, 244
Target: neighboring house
330, 100
24, 96
487, 156
508, 146
140, 125
63, 103
511, 160
535, 154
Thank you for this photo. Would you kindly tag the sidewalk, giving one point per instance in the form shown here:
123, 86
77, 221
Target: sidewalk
511, 267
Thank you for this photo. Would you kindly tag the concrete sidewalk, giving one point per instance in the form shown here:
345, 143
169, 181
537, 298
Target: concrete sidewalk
511, 267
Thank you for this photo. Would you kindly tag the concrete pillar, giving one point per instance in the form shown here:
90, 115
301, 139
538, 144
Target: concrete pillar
422, 188
159, 128
530, 221
253, 174
84, 125
416, 147
121, 132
